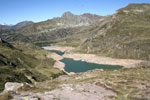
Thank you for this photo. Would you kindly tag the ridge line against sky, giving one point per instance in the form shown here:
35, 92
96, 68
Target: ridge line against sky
14, 11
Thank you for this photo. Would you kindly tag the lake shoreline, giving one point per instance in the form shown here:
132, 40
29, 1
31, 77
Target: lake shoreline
58, 64
91, 58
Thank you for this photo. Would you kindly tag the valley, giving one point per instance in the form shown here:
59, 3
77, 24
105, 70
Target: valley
78, 57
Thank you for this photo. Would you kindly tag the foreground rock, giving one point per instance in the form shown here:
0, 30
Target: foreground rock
12, 86
70, 92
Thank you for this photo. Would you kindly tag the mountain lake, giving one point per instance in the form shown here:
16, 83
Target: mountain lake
78, 66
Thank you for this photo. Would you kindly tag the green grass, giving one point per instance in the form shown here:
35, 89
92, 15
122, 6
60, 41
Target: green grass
16, 66
128, 37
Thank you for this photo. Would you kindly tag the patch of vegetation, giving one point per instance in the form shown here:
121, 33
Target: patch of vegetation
27, 63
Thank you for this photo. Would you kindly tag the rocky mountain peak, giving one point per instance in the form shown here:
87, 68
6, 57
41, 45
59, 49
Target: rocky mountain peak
67, 14
92, 17
72, 20
3, 24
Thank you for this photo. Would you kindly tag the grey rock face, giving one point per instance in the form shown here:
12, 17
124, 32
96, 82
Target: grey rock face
70, 20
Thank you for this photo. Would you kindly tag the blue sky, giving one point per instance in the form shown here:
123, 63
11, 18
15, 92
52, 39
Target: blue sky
14, 11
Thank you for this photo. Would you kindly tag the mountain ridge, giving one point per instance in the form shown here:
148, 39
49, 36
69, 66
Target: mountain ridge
53, 29
126, 35
15, 27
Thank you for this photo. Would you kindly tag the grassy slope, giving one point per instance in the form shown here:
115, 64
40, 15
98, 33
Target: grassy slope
127, 36
16, 65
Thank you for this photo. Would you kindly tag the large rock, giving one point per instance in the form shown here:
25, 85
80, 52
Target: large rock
12, 86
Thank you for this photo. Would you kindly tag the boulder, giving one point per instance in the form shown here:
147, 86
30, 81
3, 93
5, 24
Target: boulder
25, 98
12, 86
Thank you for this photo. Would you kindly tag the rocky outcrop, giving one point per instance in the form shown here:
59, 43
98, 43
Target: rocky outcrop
74, 20
77, 20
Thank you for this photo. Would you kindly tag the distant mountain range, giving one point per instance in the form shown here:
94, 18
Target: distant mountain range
124, 34
4, 26
50, 30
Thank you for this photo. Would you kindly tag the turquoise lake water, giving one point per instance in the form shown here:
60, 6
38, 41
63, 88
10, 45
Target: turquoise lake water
82, 66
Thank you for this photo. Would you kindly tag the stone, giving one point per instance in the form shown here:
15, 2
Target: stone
25, 98
12, 86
